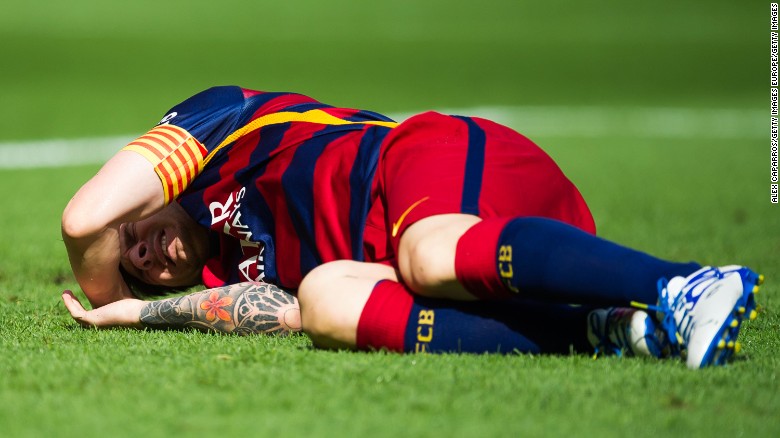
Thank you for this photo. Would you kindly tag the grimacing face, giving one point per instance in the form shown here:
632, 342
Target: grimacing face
167, 249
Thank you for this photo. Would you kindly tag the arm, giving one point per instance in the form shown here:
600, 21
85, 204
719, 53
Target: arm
140, 180
126, 189
243, 309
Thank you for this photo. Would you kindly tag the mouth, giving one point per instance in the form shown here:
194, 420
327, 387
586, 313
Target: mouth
162, 249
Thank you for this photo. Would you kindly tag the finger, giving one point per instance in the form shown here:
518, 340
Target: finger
74, 307
72, 303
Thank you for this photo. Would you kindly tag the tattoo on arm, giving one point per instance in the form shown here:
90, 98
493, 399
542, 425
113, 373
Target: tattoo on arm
243, 309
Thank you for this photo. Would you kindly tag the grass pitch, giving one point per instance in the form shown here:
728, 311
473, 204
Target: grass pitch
86, 70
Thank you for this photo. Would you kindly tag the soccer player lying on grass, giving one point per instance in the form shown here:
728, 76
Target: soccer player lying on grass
438, 234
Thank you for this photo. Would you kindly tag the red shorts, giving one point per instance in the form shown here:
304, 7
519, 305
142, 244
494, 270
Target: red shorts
435, 164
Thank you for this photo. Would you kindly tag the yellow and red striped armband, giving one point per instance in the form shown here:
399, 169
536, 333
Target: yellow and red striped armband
176, 155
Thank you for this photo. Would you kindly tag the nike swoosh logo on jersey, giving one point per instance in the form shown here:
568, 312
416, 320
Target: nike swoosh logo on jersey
397, 224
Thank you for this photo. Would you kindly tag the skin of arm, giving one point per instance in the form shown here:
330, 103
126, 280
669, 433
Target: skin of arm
245, 309
126, 189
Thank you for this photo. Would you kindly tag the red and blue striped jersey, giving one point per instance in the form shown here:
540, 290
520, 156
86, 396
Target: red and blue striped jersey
284, 181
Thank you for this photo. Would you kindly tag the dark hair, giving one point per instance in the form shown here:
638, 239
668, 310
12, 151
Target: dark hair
143, 290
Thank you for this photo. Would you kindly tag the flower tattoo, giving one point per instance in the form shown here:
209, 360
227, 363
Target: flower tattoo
241, 309
214, 306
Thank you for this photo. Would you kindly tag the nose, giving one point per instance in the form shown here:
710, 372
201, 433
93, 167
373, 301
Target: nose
141, 256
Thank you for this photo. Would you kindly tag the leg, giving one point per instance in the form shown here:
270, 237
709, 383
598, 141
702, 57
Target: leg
347, 304
332, 298
458, 256
440, 175
441, 166
701, 308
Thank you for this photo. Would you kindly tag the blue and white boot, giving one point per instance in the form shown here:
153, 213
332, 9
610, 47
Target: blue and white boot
703, 313
621, 330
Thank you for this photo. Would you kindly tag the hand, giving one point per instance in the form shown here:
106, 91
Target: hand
122, 313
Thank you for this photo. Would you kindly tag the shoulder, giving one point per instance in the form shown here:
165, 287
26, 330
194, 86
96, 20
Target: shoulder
211, 103
216, 112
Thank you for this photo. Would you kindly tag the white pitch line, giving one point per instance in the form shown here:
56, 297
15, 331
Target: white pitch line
534, 121
60, 152
642, 122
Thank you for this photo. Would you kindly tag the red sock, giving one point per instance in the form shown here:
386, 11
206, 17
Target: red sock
383, 321
476, 260
397, 320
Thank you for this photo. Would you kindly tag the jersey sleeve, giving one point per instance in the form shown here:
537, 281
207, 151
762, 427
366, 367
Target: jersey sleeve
179, 145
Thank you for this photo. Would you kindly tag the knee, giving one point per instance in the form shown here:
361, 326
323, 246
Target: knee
318, 313
427, 260
424, 265
426, 254
332, 297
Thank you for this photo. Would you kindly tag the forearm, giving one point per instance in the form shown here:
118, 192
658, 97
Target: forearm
94, 261
244, 309
126, 189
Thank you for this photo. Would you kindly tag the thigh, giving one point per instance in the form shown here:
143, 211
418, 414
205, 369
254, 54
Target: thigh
332, 298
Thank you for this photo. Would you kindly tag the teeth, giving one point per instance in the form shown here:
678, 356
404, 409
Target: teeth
164, 242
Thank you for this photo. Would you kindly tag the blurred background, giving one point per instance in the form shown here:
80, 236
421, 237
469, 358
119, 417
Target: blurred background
658, 111
653, 109
87, 68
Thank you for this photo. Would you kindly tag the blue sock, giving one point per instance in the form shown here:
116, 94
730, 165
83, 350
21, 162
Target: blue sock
441, 326
398, 320
556, 261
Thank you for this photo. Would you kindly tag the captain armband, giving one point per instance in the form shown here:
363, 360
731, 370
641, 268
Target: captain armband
176, 155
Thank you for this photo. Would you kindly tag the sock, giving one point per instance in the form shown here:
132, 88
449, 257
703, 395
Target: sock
546, 259
397, 320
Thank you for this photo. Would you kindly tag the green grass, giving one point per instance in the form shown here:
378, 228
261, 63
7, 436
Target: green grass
60, 379
92, 69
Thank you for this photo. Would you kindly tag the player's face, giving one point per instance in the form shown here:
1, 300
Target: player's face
167, 248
